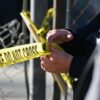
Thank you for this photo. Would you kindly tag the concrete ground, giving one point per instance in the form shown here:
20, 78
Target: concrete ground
12, 83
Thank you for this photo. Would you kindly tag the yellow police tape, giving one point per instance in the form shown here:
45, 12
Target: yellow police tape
22, 53
38, 36
46, 22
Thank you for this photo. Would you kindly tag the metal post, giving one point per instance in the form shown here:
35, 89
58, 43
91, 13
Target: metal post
24, 30
59, 20
54, 17
31, 62
60, 17
37, 76
67, 13
56, 95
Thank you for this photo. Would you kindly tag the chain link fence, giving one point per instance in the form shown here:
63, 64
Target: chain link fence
12, 78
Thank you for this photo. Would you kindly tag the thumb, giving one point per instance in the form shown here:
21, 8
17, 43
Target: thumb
69, 37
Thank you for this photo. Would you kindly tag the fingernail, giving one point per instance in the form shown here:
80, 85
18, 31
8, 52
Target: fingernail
69, 36
51, 58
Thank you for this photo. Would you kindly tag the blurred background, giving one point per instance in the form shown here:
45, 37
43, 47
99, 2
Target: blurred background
26, 80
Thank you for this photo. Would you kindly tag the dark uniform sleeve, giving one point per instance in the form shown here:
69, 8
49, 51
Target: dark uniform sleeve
86, 30
77, 66
81, 48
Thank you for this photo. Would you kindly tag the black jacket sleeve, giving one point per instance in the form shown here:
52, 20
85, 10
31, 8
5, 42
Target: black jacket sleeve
77, 66
80, 47
86, 30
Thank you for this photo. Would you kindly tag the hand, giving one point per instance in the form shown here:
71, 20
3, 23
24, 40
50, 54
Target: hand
57, 62
59, 36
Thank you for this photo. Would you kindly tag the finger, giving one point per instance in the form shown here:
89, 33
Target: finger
43, 68
50, 38
47, 66
54, 67
51, 35
43, 65
59, 56
44, 57
69, 36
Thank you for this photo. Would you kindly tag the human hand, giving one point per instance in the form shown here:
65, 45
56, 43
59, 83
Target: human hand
59, 36
57, 62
